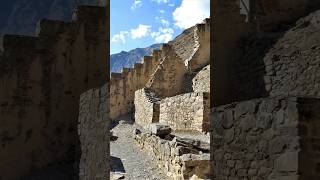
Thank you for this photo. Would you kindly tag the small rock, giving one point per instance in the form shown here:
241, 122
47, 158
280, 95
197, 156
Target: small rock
117, 176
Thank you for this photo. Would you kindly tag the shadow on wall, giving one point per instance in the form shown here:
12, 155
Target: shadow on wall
250, 69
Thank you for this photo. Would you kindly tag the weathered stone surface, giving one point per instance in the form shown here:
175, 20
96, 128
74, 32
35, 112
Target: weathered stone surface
201, 82
165, 71
186, 112
147, 108
178, 157
193, 45
287, 162
94, 134
294, 60
258, 146
159, 129
267, 57
123, 85
42, 79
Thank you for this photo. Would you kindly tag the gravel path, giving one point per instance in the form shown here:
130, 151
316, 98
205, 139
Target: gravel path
126, 157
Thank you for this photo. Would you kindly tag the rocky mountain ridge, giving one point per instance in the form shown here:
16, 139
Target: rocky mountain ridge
128, 59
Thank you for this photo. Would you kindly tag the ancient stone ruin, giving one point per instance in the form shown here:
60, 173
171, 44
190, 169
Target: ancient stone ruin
168, 95
265, 90
42, 78
57, 105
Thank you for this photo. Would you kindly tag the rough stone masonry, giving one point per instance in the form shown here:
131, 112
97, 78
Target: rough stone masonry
42, 78
177, 96
269, 138
265, 91
94, 134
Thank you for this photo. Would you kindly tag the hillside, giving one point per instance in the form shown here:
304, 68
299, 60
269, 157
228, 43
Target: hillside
128, 59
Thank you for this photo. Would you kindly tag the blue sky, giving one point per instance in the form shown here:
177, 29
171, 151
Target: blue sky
140, 23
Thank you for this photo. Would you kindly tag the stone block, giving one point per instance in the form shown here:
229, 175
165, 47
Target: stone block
267, 139
179, 160
159, 129
186, 112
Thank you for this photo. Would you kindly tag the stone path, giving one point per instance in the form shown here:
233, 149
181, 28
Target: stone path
127, 161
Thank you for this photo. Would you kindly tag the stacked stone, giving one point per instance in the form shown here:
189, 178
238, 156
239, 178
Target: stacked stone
43, 77
147, 108
273, 137
201, 82
123, 85
186, 112
265, 139
180, 158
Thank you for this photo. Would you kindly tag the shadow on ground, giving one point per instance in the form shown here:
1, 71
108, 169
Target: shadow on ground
117, 165
126, 119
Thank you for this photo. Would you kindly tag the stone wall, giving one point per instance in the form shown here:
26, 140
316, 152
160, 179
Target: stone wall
225, 47
201, 51
168, 78
186, 112
292, 63
147, 107
41, 80
192, 46
201, 82
271, 138
123, 85
94, 134
252, 61
179, 158
164, 72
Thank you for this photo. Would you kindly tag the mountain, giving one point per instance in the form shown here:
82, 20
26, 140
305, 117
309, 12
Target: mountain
128, 59
21, 16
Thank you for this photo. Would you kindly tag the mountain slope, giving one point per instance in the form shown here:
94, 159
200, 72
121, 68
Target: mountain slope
128, 59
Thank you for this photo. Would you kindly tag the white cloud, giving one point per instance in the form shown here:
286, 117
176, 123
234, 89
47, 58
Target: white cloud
163, 35
191, 12
161, 1
120, 37
140, 31
171, 5
165, 22
161, 11
136, 4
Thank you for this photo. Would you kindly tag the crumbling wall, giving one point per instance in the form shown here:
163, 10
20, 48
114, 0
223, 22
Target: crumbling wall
179, 158
94, 134
265, 139
258, 139
123, 85
292, 63
242, 72
201, 82
201, 51
186, 112
41, 80
168, 79
147, 107
193, 45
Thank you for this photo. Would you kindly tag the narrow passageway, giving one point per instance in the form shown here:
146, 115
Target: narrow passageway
127, 160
